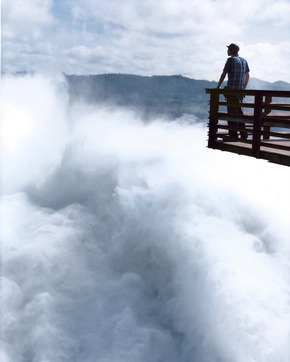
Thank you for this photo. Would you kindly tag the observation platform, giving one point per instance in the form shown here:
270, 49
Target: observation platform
266, 118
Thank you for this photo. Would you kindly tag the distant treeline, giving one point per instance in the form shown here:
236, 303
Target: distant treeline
170, 96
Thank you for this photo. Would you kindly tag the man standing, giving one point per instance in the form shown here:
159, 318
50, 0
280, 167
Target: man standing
238, 77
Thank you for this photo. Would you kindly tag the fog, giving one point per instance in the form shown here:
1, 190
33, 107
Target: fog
125, 241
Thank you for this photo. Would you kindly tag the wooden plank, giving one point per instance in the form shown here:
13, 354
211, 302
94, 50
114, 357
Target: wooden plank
281, 135
251, 92
277, 107
277, 145
276, 156
269, 106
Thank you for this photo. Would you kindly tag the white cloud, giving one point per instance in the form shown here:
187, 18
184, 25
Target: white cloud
267, 61
276, 12
26, 18
164, 37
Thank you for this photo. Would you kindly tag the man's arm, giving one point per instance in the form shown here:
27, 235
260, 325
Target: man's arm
222, 77
247, 77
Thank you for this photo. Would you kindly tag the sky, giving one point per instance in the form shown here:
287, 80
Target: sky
165, 37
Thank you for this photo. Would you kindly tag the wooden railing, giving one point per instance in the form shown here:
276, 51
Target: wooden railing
265, 119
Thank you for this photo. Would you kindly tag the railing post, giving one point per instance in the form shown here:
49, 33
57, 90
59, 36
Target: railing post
267, 129
257, 124
213, 117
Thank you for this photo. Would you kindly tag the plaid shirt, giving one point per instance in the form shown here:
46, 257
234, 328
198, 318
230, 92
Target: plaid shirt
236, 67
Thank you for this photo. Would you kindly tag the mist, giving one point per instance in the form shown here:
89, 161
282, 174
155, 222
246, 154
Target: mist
125, 241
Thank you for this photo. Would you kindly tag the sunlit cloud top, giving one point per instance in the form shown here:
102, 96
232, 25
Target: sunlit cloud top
165, 37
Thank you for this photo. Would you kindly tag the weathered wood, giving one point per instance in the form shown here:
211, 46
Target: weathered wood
213, 119
266, 127
257, 123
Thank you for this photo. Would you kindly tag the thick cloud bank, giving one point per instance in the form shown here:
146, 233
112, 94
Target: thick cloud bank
126, 242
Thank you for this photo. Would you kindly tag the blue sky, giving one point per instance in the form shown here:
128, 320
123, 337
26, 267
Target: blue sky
186, 37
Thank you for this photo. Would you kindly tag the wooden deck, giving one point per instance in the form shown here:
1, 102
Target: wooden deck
276, 155
266, 120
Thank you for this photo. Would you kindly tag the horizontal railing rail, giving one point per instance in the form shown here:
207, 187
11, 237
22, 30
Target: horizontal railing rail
262, 130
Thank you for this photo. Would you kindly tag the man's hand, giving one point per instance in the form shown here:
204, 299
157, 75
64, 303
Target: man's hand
222, 77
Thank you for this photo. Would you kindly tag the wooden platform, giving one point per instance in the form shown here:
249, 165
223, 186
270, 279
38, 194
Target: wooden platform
266, 121
271, 154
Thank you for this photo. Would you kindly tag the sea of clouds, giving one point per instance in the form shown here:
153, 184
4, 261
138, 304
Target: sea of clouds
130, 242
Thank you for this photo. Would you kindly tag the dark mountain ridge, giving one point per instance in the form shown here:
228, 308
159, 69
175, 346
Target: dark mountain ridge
151, 96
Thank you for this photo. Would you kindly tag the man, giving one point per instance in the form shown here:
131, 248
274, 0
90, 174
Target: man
238, 77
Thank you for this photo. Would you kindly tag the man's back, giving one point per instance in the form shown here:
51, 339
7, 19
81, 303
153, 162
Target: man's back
236, 67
